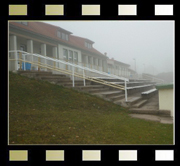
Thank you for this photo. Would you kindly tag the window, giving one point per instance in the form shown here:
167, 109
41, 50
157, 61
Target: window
65, 54
89, 59
62, 35
94, 61
70, 56
75, 56
88, 45
67, 38
59, 34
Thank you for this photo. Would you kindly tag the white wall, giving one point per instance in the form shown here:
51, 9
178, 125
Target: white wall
166, 100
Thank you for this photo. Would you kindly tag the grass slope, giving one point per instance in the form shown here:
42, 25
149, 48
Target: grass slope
43, 113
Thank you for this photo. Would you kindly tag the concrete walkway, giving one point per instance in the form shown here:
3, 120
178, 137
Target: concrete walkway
165, 120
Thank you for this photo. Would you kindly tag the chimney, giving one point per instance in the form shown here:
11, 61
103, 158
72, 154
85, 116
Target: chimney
105, 54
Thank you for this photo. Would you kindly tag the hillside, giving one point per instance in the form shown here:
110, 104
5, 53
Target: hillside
43, 113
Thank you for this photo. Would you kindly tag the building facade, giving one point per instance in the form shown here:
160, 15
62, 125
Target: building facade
166, 97
118, 68
58, 43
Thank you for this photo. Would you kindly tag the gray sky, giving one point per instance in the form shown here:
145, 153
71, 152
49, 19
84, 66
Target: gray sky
151, 43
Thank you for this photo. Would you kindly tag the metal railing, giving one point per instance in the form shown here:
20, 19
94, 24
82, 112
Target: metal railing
40, 62
89, 65
157, 80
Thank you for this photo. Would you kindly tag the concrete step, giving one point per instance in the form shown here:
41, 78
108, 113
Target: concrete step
148, 94
32, 74
166, 113
131, 84
116, 98
68, 80
70, 84
43, 74
90, 87
98, 90
136, 89
51, 76
157, 118
34, 71
109, 94
139, 104
57, 80
133, 100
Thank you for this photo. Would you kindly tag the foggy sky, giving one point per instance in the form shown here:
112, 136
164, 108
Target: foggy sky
151, 43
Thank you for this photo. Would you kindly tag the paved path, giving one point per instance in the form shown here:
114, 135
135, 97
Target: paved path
165, 120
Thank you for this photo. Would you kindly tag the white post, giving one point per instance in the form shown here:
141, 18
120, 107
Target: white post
30, 50
96, 63
125, 91
84, 78
24, 62
86, 61
43, 52
55, 53
73, 75
91, 62
60, 55
100, 60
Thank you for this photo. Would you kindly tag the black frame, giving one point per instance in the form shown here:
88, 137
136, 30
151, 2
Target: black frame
73, 153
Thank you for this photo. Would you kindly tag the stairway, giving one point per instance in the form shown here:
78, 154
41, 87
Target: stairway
136, 102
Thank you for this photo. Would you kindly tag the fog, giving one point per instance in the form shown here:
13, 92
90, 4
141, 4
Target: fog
147, 46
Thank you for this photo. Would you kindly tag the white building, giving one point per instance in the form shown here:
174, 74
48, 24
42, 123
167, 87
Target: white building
52, 41
118, 68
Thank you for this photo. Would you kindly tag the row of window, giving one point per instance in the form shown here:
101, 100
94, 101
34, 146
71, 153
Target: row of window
70, 55
88, 45
117, 67
62, 35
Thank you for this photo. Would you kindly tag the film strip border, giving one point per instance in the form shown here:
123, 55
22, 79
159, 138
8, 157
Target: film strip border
90, 155
90, 10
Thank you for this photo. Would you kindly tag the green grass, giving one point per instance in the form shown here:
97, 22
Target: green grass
43, 113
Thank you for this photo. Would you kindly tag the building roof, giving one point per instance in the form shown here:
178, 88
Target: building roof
165, 86
49, 30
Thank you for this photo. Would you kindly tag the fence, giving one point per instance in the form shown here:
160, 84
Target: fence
39, 62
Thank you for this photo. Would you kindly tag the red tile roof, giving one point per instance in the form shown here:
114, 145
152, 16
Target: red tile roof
49, 30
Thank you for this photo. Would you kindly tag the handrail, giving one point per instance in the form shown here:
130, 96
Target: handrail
153, 77
75, 74
73, 65
66, 71
92, 66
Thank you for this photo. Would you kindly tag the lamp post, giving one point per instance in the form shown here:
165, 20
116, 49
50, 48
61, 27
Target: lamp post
135, 63
144, 67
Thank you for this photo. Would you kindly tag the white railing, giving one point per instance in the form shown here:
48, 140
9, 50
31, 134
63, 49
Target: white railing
157, 80
40, 62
